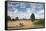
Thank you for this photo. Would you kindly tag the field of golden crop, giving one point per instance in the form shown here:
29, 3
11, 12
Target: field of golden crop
19, 24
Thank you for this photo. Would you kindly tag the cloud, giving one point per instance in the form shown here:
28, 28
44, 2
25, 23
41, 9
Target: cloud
24, 10
39, 7
16, 10
22, 5
40, 14
28, 9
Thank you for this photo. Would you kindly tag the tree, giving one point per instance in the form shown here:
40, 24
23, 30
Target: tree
16, 18
23, 18
12, 19
32, 17
8, 18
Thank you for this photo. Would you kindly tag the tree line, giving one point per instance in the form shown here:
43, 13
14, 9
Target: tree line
32, 17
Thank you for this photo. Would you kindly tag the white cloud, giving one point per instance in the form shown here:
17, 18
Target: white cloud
23, 15
16, 10
27, 14
16, 5
22, 5
42, 11
40, 14
28, 9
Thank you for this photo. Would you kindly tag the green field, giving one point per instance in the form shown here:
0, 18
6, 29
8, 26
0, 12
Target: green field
38, 24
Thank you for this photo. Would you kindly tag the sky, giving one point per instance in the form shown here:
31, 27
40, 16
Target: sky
24, 10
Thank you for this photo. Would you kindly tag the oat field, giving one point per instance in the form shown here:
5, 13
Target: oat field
19, 24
